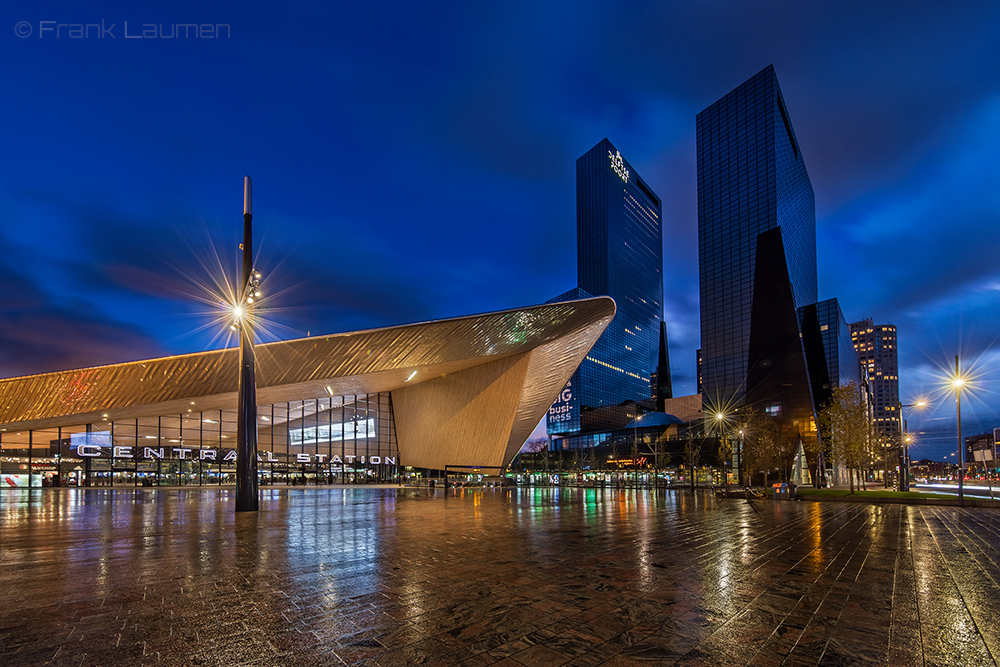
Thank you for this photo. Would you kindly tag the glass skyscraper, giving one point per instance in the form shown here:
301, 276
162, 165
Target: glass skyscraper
751, 179
826, 338
619, 254
841, 356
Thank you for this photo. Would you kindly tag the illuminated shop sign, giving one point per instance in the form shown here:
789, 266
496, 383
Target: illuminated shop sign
361, 429
629, 463
562, 409
212, 455
618, 164
564, 414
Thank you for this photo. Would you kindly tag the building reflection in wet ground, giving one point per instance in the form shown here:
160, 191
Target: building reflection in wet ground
386, 576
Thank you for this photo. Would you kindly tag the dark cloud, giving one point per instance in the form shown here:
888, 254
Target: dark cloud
42, 332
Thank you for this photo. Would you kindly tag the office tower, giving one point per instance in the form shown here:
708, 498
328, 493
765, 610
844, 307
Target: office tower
698, 368
830, 353
876, 346
777, 379
619, 254
663, 385
751, 179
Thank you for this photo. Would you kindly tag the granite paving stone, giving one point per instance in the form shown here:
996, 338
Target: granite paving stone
505, 577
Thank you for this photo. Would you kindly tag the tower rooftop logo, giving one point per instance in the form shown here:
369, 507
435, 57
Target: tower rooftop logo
618, 164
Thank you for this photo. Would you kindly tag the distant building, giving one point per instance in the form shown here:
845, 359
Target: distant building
617, 425
698, 366
662, 386
878, 354
981, 449
619, 254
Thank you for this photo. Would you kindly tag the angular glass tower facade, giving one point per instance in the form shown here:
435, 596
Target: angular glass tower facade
826, 338
842, 362
619, 254
751, 179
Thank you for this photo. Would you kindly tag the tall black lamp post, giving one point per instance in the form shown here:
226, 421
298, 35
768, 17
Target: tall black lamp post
904, 451
958, 382
247, 497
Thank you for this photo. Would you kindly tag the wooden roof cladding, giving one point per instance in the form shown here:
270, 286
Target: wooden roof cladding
348, 363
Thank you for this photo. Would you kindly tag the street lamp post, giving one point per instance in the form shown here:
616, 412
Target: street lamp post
957, 383
905, 473
739, 462
635, 446
720, 419
247, 497
904, 454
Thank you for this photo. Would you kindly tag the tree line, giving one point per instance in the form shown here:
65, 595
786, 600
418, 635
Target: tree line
846, 432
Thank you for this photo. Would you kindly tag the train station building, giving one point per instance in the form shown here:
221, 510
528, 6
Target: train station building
344, 408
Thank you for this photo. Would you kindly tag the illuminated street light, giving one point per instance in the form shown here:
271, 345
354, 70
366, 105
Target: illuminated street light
904, 454
958, 382
635, 439
720, 419
247, 496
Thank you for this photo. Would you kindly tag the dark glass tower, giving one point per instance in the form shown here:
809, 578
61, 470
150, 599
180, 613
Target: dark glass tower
751, 179
826, 337
619, 254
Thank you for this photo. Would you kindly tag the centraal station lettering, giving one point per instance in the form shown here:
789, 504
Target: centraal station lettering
184, 453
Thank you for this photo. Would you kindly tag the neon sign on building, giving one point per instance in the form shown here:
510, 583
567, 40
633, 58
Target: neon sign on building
618, 164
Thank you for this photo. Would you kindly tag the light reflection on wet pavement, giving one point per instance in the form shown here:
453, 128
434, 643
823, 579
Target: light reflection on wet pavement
520, 577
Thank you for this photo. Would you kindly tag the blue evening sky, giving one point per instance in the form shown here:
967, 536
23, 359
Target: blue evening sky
415, 160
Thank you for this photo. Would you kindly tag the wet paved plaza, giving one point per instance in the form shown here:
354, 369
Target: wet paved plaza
519, 577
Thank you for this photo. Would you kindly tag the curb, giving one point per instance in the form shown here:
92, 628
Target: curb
941, 502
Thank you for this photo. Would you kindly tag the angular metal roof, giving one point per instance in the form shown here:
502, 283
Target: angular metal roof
376, 360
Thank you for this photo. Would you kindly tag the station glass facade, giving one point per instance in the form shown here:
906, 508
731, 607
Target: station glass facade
751, 178
332, 439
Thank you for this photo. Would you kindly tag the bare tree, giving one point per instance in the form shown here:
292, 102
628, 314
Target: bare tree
661, 458
692, 449
634, 453
763, 448
847, 425
767, 451
535, 445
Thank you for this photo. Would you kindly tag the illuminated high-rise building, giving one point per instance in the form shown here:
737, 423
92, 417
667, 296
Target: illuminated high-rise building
876, 346
619, 254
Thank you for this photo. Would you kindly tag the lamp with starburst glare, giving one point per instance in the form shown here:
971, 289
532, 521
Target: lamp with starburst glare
247, 497
958, 383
